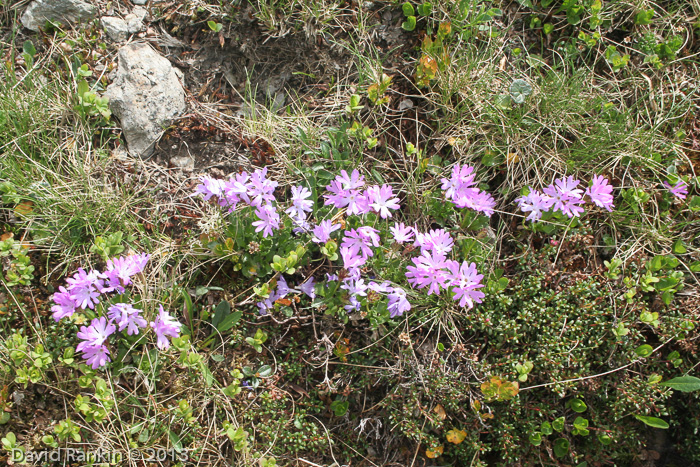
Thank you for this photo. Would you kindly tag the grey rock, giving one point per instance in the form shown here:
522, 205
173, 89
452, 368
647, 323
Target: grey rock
134, 20
116, 28
184, 162
146, 95
139, 2
63, 11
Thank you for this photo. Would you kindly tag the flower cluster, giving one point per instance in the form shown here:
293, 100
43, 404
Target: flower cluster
565, 196
344, 192
461, 190
257, 191
349, 193
85, 289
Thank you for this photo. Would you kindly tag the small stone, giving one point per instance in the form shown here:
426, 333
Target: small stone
183, 162
116, 28
62, 11
139, 2
134, 20
406, 104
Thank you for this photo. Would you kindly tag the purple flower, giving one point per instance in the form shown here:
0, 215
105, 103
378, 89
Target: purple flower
438, 240
397, 304
322, 233
96, 334
459, 188
462, 178
127, 317
308, 288
210, 187
361, 240
401, 233
331, 277
567, 186
356, 202
120, 270
85, 288
566, 197
96, 356
428, 271
351, 259
600, 192
679, 190
165, 326
260, 189
475, 199
300, 205
236, 190
379, 288
350, 182
464, 281
269, 220
535, 203
64, 304
381, 200
356, 288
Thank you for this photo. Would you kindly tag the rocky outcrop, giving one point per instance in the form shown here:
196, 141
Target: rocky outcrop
62, 11
119, 29
146, 95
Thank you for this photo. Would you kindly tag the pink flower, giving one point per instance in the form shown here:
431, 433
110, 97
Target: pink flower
269, 220
679, 190
260, 189
165, 326
566, 197
464, 280
96, 356
535, 203
210, 187
127, 317
64, 304
401, 233
96, 334
381, 200
397, 304
600, 192
322, 233
428, 272
300, 205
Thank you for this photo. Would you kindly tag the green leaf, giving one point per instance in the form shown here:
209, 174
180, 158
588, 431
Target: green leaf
666, 283
577, 405
408, 9
340, 408
28, 48
561, 447
678, 247
409, 24
536, 438
546, 428
264, 371
652, 421
175, 439
644, 350
222, 310
230, 321
519, 90
425, 8
558, 424
683, 383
